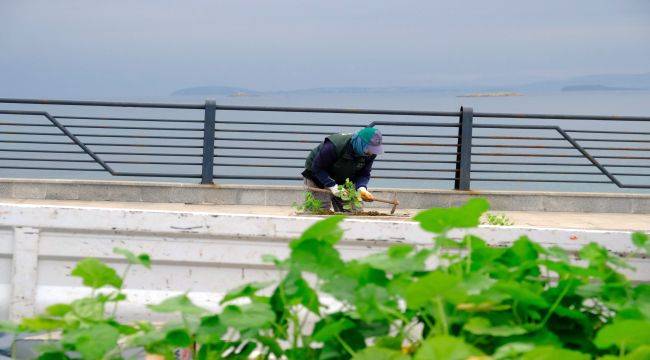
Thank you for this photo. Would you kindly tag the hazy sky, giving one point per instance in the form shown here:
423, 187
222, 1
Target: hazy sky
94, 48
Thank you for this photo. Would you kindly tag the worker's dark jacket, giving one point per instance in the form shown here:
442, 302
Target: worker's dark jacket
334, 160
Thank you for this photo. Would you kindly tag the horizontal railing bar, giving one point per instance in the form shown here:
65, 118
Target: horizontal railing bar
152, 162
23, 124
147, 145
30, 133
318, 142
143, 136
322, 110
100, 152
336, 110
50, 160
517, 138
608, 132
160, 175
560, 116
45, 151
302, 167
145, 154
273, 123
108, 162
100, 144
613, 140
329, 133
271, 177
302, 158
546, 180
102, 103
105, 135
293, 149
106, 127
409, 123
127, 119
38, 142
130, 128
514, 146
563, 156
553, 172
552, 164
48, 168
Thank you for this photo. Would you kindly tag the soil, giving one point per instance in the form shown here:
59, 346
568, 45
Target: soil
358, 213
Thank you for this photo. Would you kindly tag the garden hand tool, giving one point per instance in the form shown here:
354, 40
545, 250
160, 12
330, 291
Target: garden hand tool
394, 202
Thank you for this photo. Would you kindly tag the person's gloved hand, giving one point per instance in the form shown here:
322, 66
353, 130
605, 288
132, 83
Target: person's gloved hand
365, 194
335, 190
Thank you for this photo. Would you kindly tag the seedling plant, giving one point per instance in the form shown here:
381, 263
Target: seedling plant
498, 220
350, 196
310, 204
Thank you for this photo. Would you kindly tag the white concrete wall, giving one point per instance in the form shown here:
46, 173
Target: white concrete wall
205, 254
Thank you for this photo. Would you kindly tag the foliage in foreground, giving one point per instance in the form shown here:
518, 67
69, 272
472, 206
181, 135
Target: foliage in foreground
518, 302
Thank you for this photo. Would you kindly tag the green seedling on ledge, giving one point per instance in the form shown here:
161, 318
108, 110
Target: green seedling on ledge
350, 196
310, 204
498, 220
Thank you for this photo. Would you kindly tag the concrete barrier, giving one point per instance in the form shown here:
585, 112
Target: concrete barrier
287, 195
203, 253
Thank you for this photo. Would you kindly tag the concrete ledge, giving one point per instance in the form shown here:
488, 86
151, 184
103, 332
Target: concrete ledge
127, 191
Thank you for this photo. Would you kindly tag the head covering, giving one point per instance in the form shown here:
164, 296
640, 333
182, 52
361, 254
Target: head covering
367, 139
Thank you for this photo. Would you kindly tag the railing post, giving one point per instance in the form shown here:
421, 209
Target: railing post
208, 142
464, 149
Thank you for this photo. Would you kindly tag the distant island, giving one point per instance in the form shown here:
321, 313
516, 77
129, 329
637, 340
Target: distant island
603, 82
492, 94
216, 90
597, 88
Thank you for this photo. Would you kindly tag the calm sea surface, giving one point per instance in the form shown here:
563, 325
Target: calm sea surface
591, 103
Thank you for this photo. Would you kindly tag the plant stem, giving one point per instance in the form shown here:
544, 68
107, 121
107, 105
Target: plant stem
126, 271
469, 254
296, 330
443, 317
428, 322
555, 305
345, 345
622, 350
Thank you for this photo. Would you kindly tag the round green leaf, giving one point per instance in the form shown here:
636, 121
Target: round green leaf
627, 334
553, 353
180, 303
96, 274
446, 348
377, 353
178, 337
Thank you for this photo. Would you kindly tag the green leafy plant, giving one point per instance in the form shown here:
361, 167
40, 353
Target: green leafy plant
498, 220
310, 204
523, 301
350, 196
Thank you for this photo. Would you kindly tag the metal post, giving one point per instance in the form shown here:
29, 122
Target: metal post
208, 142
464, 149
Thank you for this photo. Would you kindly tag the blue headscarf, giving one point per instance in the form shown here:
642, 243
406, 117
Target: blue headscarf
359, 145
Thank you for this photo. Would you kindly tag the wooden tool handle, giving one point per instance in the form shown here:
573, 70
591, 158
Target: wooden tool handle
395, 202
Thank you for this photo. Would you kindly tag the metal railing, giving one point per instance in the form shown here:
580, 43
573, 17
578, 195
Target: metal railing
463, 146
